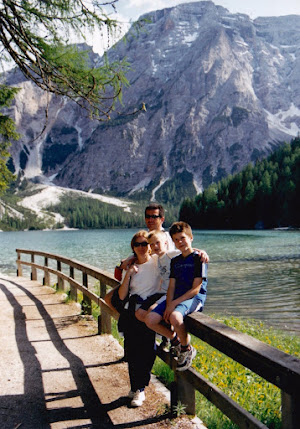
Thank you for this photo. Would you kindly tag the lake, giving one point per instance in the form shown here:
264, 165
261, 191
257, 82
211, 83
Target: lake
252, 274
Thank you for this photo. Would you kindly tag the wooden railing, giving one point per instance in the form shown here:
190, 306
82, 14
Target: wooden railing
273, 365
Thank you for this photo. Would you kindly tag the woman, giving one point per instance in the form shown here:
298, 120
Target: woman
141, 281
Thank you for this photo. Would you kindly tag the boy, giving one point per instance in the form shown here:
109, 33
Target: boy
186, 294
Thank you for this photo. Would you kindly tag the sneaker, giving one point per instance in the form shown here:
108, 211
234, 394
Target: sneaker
185, 359
138, 398
175, 350
131, 394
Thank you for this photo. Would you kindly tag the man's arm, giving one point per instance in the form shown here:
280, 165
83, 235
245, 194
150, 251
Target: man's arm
203, 255
126, 263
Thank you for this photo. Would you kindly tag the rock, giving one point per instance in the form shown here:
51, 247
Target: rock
220, 91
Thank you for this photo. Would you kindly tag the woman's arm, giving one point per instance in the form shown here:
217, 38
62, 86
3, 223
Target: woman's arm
124, 287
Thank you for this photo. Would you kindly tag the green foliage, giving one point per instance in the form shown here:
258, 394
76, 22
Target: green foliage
176, 189
264, 195
30, 222
36, 36
87, 213
7, 133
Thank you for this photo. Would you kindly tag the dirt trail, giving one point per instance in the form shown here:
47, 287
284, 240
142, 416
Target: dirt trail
56, 372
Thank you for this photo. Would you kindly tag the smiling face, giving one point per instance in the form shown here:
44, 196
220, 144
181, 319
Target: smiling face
153, 219
158, 244
183, 242
140, 246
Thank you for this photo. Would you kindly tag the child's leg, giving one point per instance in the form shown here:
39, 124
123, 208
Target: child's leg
177, 317
141, 314
153, 322
177, 321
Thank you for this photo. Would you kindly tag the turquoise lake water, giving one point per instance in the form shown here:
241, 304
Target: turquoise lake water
252, 274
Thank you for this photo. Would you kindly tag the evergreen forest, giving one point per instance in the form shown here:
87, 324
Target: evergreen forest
264, 195
87, 213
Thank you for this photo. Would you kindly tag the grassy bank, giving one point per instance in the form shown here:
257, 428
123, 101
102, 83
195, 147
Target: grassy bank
250, 391
260, 398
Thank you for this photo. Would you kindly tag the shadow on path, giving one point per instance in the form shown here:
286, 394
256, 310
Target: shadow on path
29, 410
31, 407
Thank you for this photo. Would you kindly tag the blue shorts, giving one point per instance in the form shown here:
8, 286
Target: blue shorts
185, 307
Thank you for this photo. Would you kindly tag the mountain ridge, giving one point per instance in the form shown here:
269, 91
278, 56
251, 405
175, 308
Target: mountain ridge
221, 90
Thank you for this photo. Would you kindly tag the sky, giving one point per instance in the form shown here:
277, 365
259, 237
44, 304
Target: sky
254, 8
130, 10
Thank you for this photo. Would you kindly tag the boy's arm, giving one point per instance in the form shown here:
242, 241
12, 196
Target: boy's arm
188, 295
169, 299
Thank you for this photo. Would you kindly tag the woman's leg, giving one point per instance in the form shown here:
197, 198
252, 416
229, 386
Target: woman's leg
141, 354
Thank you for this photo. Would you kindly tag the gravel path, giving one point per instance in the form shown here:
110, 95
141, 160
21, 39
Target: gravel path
56, 372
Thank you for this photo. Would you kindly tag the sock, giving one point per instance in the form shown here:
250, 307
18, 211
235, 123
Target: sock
175, 341
185, 348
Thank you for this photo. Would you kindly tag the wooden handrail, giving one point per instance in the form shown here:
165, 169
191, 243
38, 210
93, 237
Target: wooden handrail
273, 365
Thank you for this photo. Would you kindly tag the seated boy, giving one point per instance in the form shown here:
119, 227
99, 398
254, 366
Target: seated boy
186, 294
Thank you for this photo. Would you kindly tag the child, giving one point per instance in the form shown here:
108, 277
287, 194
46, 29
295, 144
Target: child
186, 294
159, 251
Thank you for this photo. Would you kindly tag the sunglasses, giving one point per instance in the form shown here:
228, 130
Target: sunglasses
143, 244
147, 216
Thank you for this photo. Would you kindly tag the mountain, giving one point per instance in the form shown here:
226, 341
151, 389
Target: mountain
221, 90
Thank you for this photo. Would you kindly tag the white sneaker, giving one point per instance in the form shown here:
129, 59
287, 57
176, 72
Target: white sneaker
138, 398
185, 359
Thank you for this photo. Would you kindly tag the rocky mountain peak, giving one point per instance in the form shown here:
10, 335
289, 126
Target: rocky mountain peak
220, 89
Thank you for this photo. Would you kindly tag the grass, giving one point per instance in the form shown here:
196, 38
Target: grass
253, 393
260, 398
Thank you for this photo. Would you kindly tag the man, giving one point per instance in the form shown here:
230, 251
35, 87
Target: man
154, 219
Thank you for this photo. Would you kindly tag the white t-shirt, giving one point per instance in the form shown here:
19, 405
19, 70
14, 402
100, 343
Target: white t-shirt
146, 281
164, 263
171, 245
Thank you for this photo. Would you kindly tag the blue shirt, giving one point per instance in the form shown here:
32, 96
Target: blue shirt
184, 270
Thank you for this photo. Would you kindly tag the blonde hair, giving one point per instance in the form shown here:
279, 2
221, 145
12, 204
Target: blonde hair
157, 233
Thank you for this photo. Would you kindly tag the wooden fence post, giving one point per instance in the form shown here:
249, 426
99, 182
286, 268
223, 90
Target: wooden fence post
73, 289
104, 319
19, 265
86, 301
46, 279
290, 410
33, 269
185, 394
60, 281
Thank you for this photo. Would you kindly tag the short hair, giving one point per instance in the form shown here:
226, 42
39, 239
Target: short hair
157, 233
180, 227
155, 206
141, 233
